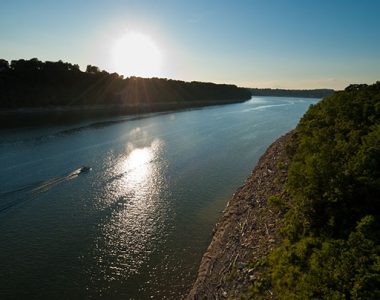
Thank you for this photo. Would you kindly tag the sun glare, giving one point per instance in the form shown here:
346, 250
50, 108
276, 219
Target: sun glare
136, 54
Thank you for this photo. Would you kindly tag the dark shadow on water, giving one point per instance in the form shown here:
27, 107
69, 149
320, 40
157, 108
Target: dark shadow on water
76, 119
102, 124
93, 125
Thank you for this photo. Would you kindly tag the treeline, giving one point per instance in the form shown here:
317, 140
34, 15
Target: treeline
331, 244
316, 93
33, 83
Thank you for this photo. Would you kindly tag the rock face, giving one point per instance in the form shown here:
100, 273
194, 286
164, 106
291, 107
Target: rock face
246, 232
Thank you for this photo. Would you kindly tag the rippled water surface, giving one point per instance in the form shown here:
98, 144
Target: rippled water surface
137, 224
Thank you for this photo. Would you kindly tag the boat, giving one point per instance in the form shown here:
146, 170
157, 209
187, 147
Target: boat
84, 169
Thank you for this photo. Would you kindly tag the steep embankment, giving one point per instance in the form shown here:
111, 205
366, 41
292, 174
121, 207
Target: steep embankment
247, 231
329, 214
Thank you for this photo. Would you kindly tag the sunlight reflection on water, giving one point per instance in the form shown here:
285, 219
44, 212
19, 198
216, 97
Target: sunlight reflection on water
132, 231
137, 225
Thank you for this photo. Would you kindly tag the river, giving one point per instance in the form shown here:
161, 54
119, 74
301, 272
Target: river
137, 224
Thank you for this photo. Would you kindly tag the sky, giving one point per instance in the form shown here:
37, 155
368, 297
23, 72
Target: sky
256, 43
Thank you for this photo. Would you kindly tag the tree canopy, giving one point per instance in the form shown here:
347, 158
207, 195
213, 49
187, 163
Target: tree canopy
33, 83
331, 245
315, 93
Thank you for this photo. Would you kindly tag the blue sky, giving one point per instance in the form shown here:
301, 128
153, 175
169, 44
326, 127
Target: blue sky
285, 44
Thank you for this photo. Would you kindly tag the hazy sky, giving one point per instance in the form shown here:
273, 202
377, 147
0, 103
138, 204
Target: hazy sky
256, 43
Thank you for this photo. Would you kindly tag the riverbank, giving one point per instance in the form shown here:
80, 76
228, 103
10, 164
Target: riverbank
246, 232
315, 93
32, 91
55, 115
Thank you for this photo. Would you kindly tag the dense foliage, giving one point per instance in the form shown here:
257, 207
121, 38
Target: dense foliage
32, 83
331, 246
316, 93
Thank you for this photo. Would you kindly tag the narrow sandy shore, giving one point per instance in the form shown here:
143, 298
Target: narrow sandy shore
246, 232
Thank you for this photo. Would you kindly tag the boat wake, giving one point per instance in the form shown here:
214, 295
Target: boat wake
29, 192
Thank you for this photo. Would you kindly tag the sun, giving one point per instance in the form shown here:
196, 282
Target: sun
136, 54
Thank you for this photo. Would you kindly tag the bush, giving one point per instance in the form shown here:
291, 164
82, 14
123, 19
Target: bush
277, 202
323, 268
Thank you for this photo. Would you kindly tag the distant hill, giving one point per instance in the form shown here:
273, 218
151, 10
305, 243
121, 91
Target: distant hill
316, 93
33, 83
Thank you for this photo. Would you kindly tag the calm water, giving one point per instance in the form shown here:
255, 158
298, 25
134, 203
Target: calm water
135, 226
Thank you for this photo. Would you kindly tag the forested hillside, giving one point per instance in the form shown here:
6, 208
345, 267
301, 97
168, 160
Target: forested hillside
331, 236
315, 93
32, 83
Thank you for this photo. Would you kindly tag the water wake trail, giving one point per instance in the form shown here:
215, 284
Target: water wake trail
27, 192
266, 106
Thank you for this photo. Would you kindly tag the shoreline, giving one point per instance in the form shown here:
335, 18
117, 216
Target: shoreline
247, 230
57, 115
